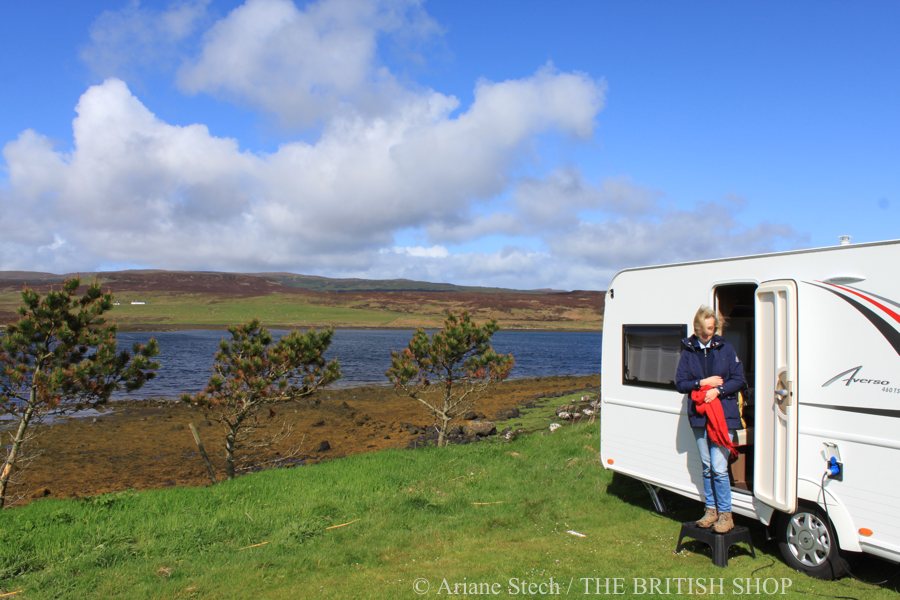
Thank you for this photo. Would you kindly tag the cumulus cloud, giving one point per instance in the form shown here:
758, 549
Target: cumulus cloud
501, 268
136, 189
466, 227
710, 230
557, 200
127, 41
589, 231
555, 204
304, 65
422, 252
386, 156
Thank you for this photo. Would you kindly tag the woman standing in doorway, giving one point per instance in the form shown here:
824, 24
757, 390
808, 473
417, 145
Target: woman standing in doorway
710, 370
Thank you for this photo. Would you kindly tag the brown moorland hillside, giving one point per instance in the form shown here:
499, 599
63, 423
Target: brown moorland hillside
405, 303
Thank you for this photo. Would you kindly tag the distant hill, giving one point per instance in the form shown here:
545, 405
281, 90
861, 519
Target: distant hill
222, 281
182, 299
325, 284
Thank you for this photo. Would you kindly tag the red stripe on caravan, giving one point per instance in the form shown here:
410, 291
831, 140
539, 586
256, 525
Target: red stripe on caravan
867, 299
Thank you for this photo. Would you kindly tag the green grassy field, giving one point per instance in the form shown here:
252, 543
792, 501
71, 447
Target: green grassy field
273, 310
393, 524
205, 310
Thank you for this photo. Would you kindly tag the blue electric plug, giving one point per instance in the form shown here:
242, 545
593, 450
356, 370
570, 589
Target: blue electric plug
835, 470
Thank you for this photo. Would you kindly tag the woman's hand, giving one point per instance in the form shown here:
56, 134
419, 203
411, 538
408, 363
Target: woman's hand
714, 381
711, 395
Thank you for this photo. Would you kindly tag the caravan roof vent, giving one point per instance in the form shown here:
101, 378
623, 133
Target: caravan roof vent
844, 240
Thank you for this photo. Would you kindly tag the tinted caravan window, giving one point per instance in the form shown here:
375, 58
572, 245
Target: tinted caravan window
651, 354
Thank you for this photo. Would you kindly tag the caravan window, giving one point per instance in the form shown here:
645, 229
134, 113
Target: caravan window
651, 354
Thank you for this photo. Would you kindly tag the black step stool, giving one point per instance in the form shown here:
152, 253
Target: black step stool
719, 543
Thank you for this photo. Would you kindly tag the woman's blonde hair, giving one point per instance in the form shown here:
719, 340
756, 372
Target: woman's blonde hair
704, 313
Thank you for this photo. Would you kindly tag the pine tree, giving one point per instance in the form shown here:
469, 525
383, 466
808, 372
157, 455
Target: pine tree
61, 356
448, 371
252, 372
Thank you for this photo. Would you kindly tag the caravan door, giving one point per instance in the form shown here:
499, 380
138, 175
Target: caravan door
775, 435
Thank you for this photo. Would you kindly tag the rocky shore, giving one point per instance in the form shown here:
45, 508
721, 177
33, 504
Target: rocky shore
143, 445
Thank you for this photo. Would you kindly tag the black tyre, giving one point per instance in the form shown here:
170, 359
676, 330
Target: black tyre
807, 542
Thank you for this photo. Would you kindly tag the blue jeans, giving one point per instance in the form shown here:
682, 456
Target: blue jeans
716, 485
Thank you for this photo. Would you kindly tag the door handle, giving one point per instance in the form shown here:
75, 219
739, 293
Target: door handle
783, 392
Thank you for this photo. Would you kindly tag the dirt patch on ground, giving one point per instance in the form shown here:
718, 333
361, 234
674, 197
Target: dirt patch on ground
142, 445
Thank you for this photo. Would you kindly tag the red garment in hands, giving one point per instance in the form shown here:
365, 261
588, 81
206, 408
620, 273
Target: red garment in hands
716, 427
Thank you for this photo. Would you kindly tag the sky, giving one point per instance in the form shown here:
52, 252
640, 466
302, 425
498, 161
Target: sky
514, 143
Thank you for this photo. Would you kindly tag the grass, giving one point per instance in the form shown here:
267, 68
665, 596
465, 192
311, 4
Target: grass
207, 310
543, 412
168, 310
212, 311
375, 526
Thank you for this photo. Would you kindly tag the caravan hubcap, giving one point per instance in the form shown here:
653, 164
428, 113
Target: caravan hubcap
809, 539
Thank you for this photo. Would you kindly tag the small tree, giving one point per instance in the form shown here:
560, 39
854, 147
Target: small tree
450, 370
61, 356
252, 372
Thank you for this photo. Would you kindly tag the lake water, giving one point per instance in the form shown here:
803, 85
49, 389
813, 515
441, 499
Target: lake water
186, 357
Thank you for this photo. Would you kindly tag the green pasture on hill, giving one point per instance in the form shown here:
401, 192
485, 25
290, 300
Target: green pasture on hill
204, 310
180, 311
536, 517
275, 309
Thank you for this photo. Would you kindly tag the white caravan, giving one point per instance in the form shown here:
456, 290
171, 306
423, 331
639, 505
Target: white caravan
818, 332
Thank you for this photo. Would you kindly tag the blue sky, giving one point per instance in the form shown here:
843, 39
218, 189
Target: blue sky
521, 144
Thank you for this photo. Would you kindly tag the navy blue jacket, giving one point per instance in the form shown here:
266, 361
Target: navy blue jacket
696, 364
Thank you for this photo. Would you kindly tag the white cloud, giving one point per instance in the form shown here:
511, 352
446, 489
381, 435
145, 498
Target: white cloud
467, 227
710, 230
134, 171
502, 268
57, 243
548, 206
34, 169
305, 65
386, 157
134, 38
422, 251
136, 189
557, 200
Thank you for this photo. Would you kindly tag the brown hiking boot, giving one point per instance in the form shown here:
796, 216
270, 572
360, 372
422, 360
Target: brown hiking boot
709, 517
724, 524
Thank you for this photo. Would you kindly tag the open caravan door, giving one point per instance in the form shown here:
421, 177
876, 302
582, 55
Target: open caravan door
775, 436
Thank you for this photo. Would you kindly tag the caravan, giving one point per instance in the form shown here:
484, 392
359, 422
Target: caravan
818, 332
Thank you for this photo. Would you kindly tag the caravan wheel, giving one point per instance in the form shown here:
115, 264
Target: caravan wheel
808, 543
